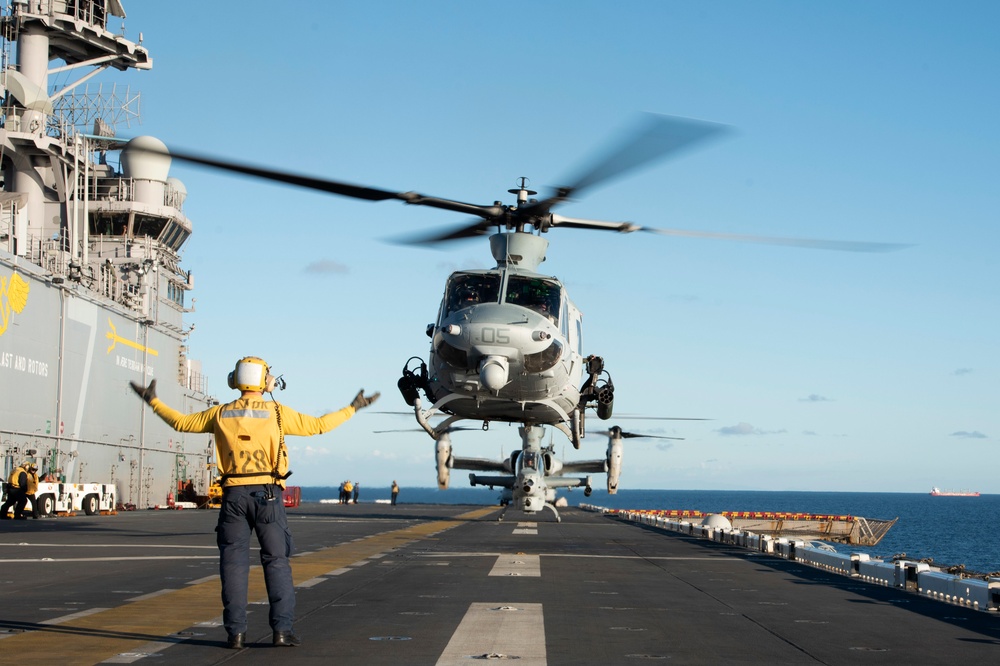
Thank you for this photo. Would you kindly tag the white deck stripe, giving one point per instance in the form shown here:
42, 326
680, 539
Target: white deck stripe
50, 560
511, 630
73, 616
311, 582
202, 580
151, 595
517, 565
579, 555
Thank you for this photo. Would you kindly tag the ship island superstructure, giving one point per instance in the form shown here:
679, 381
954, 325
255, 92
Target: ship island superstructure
92, 293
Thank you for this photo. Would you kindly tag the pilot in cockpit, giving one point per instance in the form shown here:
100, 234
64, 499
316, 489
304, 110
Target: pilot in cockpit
465, 295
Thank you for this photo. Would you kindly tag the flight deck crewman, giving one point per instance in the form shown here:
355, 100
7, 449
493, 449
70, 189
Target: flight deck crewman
253, 463
21, 488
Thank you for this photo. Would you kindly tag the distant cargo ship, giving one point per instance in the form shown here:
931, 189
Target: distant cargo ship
937, 492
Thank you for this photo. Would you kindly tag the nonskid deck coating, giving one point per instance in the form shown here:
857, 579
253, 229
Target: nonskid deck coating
419, 584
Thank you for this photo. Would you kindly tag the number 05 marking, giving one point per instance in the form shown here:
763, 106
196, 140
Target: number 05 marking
495, 336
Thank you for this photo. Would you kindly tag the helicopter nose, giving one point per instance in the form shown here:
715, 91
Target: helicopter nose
493, 372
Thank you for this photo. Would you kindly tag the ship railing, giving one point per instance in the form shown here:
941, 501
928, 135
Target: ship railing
92, 12
869, 531
53, 256
196, 381
120, 188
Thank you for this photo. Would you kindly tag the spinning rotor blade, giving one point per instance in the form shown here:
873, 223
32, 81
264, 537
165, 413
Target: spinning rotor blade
471, 230
382, 432
809, 243
657, 137
640, 417
332, 186
627, 435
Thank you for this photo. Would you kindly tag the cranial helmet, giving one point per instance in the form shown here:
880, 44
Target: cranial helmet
251, 374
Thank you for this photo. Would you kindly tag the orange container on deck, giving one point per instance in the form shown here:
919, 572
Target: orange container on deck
292, 496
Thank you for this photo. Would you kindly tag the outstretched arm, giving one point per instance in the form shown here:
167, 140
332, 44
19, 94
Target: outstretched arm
294, 423
197, 422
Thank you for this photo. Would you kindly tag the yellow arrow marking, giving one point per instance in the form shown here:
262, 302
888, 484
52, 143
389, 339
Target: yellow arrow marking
115, 339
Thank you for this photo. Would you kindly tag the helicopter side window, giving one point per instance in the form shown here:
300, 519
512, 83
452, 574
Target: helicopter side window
539, 295
468, 290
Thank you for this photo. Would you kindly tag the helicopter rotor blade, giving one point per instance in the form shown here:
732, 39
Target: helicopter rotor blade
808, 243
383, 432
640, 417
331, 186
627, 435
656, 137
471, 230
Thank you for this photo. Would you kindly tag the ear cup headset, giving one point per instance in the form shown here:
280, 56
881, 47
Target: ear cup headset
252, 374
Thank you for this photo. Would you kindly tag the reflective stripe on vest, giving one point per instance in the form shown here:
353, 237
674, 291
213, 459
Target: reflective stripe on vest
248, 413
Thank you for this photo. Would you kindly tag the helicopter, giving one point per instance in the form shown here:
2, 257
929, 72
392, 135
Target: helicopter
506, 345
533, 473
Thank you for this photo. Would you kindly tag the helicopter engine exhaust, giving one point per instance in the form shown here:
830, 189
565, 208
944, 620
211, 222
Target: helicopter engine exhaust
552, 464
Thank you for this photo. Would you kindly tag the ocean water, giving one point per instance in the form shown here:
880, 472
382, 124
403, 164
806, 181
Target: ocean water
951, 530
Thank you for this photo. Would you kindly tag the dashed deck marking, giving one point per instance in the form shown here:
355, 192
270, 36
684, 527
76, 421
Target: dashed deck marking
498, 630
517, 565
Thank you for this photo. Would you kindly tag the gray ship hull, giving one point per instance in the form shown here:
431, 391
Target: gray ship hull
66, 360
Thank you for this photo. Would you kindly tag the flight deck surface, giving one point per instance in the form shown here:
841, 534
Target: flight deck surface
444, 584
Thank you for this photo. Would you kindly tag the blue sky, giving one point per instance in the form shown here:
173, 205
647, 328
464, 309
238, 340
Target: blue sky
819, 370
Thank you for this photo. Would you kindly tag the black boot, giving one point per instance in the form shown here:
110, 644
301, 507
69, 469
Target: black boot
286, 639
237, 641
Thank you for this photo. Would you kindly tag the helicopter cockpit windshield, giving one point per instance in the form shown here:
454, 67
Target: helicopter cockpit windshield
529, 460
468, 289
540, 295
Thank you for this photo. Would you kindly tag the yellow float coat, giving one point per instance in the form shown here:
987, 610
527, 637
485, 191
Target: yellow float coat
247, 439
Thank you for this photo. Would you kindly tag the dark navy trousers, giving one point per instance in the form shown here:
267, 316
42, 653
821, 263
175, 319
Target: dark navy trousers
247, 509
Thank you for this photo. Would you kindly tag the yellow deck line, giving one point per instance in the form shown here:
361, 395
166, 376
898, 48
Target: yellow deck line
100, 636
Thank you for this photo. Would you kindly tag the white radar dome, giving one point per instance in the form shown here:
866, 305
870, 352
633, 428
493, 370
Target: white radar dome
717, 521
146, 158
180, 191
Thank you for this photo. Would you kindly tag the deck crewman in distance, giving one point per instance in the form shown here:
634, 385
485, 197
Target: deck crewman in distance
21, 488
253, 463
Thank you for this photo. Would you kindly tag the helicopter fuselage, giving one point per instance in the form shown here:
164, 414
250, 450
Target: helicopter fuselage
505, 362
507, 346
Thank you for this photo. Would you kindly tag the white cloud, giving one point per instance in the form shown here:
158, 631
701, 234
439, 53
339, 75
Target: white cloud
326, 267
975, 434
747, 429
